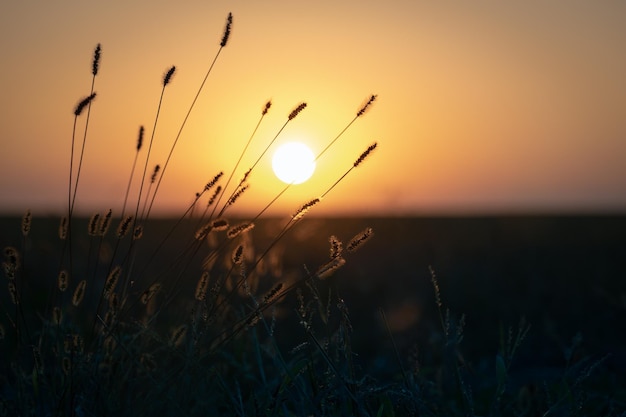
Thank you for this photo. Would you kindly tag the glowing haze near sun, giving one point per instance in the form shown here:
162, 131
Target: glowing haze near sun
293, 162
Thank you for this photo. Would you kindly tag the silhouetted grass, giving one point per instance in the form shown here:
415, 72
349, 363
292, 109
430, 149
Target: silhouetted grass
204, 315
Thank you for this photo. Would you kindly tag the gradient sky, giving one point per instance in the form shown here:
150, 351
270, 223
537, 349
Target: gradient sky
483, 107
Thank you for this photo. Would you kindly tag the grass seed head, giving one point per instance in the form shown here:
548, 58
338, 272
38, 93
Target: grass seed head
123, 227
26, 223
140, 138
178, 335
329, 268
214, 181
216, 192
273, 294
237, 194
112, 280
157, 168
358, 240
202, 232
57, 316
13, 292
235, 231
219, 224
63, 280
365, 154
79, 293
237, 257
105, 222
266, 108
114, 301
296, 111
168, 76
12, 261
83, 103
201, 286
92, 228
63, 225
336, 247
304, 209
96, 60
227, 29
150, 292
365, 107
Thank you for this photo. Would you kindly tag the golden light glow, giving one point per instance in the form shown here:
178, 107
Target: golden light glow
494, 109
293, 162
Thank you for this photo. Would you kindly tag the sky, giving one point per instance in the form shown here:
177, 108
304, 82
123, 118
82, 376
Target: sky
483, 107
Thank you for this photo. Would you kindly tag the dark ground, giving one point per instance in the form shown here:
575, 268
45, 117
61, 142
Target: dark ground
566, 275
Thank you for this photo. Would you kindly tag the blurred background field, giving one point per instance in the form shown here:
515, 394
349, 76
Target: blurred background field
566, 275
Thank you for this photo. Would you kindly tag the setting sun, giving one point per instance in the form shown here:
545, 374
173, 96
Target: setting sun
293, 162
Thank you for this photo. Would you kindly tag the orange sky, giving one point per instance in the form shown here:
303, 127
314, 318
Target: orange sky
489, 108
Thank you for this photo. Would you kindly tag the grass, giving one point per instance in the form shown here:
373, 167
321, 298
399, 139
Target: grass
200, 318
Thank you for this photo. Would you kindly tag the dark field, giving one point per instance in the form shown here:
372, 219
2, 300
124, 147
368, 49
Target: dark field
565, 275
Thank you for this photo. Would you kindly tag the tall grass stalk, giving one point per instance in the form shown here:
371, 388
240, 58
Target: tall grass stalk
224, 41
264, 112
132, 170
166, 81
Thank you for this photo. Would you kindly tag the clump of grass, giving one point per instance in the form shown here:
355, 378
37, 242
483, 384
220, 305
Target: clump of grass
121, 337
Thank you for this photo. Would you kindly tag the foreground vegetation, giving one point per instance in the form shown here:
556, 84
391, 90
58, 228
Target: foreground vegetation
130, 323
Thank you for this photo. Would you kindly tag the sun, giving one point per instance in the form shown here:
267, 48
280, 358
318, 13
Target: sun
293, 162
